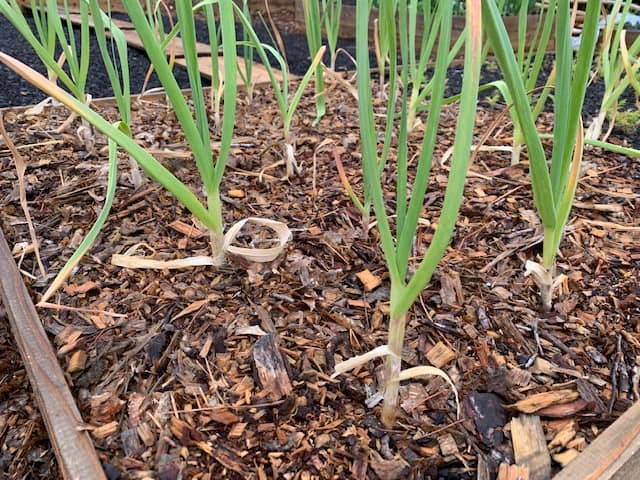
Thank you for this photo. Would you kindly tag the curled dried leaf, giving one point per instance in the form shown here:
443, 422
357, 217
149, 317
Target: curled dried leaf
260, 255
354, 362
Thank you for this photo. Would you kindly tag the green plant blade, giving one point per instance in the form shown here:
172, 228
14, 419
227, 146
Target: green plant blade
192, 130
87, 242
540, 177
459, 163
368, 139
151, 166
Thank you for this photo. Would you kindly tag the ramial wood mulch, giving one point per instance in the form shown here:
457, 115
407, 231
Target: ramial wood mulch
225, 373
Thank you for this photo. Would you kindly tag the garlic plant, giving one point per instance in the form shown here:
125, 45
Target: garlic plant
396, 245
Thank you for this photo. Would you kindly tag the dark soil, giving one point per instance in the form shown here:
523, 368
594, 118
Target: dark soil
16, 91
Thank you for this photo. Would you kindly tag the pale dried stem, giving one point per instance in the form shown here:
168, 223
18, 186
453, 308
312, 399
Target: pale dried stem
21, 168
393, 364
217, 248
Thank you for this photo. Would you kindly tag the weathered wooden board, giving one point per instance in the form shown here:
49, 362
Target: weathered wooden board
117, 6
614, 454
133, 40
259, 72
348, 25
530, 446
73, 447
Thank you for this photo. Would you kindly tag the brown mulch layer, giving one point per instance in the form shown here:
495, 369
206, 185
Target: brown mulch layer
225, 373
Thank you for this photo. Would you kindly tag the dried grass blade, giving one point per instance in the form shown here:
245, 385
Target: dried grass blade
136, 261
21, 168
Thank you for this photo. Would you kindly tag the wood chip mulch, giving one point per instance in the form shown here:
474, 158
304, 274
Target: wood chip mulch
225, 373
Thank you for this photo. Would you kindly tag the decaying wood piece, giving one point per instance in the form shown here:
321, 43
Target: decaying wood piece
530, 446
73, 448
483, 468
440, 355
271, 369
612, 455
513, 472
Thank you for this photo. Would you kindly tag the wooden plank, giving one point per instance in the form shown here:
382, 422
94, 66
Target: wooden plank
613, 454
483, 468
348, 26
117, 6
530, 446
259, 72
134, 41
73, 448
114, 5
513, 472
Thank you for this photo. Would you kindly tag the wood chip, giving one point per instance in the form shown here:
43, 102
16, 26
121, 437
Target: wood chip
563, 410
502, 293
360, 466
538, 401
369, 280
237, 430
229, 459
545, 367
393, 469
104, 431
75, 289
451, 289
189, 230
145, 432
448, 445
483, 468
185, 433
513, 472
440, 355
270, 368
579, 443
564, 435
130, 442
530, 446
223, 415
194, 307
206, 347
563, 458
269, 427
77, 361
236, 193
